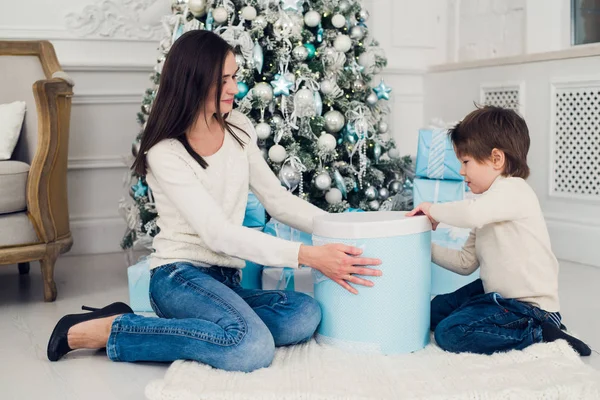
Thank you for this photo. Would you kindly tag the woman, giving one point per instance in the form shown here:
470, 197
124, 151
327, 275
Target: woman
200, 158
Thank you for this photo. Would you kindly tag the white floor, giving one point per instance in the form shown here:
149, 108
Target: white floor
26, 323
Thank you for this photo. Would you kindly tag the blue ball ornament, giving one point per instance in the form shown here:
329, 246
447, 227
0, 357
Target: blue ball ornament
242, 90
311, 50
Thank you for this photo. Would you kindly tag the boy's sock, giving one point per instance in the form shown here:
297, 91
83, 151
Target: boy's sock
551, 332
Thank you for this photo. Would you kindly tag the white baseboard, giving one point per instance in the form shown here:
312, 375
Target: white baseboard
575, 241
97, 235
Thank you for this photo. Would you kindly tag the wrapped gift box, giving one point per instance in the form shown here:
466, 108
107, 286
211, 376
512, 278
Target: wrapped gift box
138, 276
297, 279
442, 280
393, 316
281, 230
435, 156
252, 276
255, 213
437, 191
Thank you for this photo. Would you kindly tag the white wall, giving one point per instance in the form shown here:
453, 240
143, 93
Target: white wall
110, 60
450, 90
483, 29
413, 35
111, 55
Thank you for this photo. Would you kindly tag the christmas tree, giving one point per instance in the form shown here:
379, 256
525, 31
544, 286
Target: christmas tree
306, 80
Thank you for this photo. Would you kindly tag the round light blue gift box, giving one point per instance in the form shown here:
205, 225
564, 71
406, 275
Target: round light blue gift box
393, 316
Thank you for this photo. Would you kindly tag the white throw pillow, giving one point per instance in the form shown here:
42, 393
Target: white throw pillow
11, 120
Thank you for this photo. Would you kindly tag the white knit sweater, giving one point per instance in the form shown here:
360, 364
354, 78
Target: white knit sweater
509, 241
201, 210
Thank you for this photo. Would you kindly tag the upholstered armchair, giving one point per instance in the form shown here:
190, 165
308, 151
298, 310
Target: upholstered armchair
34, 217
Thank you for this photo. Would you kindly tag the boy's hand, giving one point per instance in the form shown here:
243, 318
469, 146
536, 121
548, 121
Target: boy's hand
423, 209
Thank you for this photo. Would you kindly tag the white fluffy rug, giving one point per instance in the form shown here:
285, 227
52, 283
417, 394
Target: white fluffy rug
311, 371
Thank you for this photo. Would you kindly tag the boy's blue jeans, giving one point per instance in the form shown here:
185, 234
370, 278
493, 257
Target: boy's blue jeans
205, 315
469, 320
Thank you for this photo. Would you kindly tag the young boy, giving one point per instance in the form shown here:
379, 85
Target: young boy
515, 303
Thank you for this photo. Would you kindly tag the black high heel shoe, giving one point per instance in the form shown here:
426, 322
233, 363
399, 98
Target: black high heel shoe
58, 345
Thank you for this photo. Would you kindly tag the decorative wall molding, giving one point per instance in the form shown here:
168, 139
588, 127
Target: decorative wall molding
79, 163
107, 98
107, 67
60, 34
117, 19
586, 50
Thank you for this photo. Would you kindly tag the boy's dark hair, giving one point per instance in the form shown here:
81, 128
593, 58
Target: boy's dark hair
489, 128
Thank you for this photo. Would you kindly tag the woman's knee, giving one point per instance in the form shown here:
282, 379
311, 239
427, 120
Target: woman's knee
304, 318
254, 350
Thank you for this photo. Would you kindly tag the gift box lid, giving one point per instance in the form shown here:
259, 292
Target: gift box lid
364, 225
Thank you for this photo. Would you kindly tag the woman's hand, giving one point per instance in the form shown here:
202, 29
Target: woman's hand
340, 263
423, 209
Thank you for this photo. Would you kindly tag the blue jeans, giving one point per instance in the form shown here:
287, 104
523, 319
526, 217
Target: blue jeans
206, 316
469, 320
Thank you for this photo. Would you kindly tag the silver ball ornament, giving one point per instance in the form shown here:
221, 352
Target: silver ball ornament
395, 186
383, 127
342, 43
338, 20
323, 181
277, 153
333, 196
326, 142
363, 14
328, 85
249, 13
290, 77
343, 6
374, 205
393, 153
300, 53
263, 91
359, 85
220, 15
277, 120
372, 99
371, 193
383, 194
263, 130
260, 22
304, 98
197, 7
312, 18
334, 121
357, 32
290, 177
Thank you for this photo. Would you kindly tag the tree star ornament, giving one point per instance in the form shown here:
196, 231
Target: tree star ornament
382, 91
281, 86
139, 188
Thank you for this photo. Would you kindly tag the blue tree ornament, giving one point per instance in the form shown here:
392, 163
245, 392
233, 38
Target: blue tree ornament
382, 91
